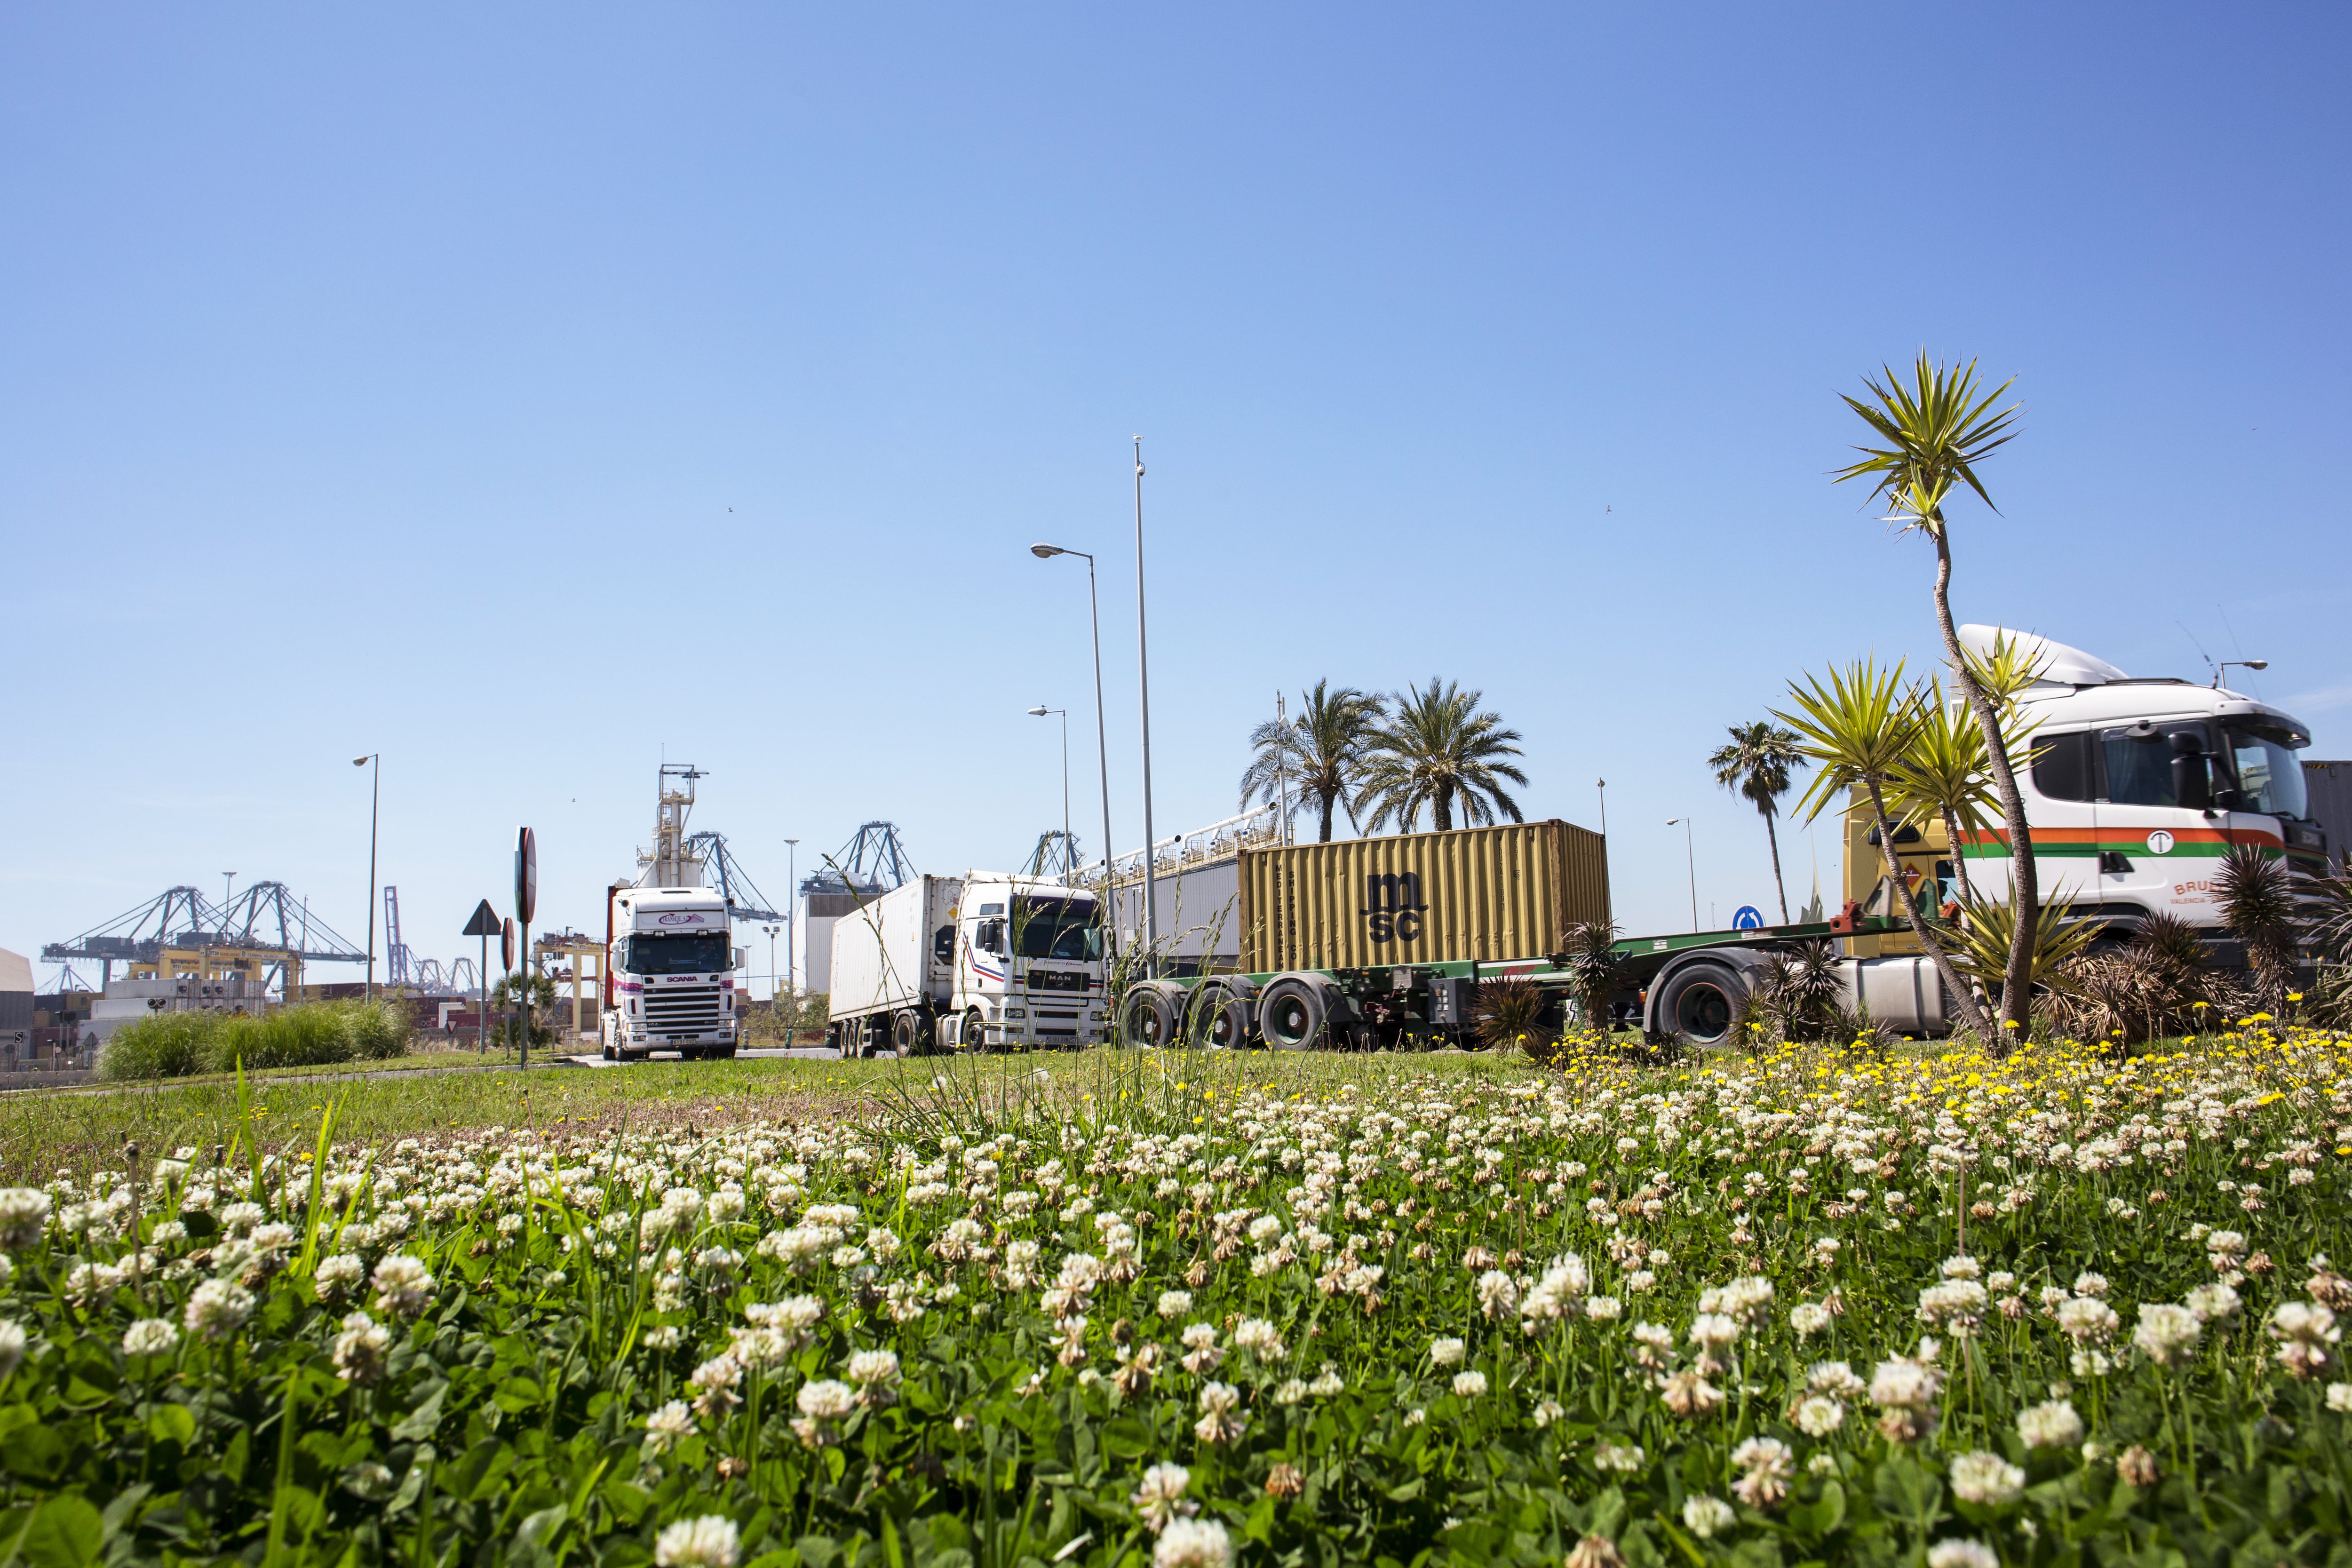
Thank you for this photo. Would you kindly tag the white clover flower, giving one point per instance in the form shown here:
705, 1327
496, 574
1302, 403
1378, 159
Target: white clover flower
150, 1336
2165, 1331
1818, 1415
1289, 1391
1174, 1303
1712, 1330
1548, 1410
666, 1425
1193, 1543
1808, 1319
705, 1542
237, 1219
2090, 1286
823, 1399
1769, 1464
1260, 1338
2054, 1424
1707, 1516
1158, 1498
1620, 1459
361, 1351
2212, 1302
2087, 1321
1446, 1352
218, 1308
1498, 1295
1834, 1378
1221, 1420
1470, 1385
403, 1285
337, 1276
2339, 1396
24, 1215
1329, 1384
1982, 1477
1962, 1554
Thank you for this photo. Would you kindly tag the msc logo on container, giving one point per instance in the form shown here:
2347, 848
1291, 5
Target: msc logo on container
1392, 908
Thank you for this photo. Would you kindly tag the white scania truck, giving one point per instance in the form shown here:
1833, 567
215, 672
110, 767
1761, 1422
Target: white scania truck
963, 963
669, 974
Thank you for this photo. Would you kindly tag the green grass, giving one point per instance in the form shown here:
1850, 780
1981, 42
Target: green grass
43, 1132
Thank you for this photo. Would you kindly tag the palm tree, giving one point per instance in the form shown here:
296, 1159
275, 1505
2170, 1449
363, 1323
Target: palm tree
1757, 765
1319, 755
1437, 749
1859, 727
1937, 430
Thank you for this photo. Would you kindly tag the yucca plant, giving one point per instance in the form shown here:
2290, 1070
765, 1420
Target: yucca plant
1987, 933
1935, 431
2257, 899
1943, 779
1509, 1016
1595, 972
2159, 983
1859, 726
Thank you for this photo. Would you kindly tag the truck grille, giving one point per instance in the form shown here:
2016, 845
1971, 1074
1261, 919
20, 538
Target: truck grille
682, 1010
1056, 980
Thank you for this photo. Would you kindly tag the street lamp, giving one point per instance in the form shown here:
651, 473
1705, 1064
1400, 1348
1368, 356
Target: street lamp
1691, 857
1070, 859
375, 791
1102, 742
1143, 696
791, 913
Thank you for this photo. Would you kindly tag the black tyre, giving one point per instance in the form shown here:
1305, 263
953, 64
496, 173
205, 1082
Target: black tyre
1218, 1020
1291, 1014
1147, 1017
975, 1031
1699, 1002
908, 1034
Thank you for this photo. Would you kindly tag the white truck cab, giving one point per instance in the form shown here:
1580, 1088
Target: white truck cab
669, 974
961, 962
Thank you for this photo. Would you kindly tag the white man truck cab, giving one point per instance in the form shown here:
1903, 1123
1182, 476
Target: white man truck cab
963, 963
669, 974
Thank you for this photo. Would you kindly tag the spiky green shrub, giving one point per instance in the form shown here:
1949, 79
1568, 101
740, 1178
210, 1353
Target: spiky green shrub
166, 1045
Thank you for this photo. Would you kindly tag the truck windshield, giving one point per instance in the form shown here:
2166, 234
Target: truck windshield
2270, 776
1057, 927
703, 952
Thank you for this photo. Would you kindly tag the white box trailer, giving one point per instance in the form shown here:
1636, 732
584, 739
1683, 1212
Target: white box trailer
967, 962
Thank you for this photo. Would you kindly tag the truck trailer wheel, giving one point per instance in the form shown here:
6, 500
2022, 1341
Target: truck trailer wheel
1292, 1012
1698, 1000
1146, 1016
1219, 1017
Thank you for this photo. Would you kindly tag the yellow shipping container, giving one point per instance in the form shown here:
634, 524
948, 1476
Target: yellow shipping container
1474, 894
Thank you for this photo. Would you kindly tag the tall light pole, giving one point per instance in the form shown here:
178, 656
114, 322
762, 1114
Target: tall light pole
792, 913
1143, 694
772, 993
1070, 860
375, 791
1102, 740
1691, 856
1607, 893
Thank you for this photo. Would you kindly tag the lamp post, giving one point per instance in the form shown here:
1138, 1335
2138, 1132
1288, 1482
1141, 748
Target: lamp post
375, 791
1607, 893
1102, 742
792, 913
1691, 856
1070, 860
775, 997
1143, 696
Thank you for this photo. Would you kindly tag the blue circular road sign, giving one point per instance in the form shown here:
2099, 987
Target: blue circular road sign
1747, 917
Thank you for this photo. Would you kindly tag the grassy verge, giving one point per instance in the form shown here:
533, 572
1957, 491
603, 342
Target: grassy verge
43, 1133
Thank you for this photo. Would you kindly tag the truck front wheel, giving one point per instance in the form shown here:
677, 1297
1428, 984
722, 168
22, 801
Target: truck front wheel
908, 1035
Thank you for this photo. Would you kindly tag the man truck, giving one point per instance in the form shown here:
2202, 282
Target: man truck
981, 960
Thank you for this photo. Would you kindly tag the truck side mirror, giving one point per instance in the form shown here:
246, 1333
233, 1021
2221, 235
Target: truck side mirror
2192, 783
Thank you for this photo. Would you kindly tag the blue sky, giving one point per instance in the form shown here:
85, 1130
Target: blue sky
525, 392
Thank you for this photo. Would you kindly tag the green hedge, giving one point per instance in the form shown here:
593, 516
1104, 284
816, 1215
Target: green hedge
314, 1034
